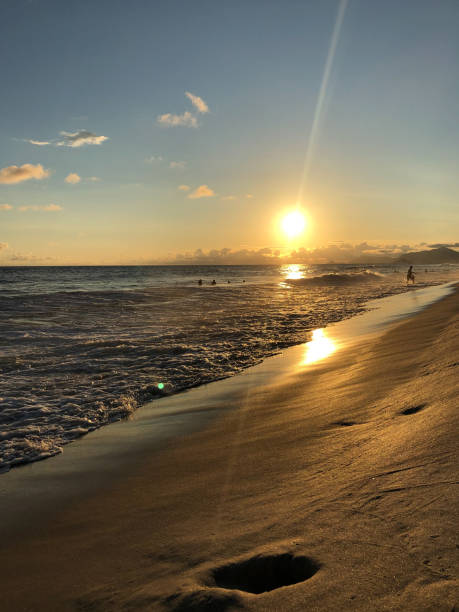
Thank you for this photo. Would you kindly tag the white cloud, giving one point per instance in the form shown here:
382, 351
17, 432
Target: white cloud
6, 207
71, 139
73, 178
185, 120
203, 191
184, 187
80, 138
177, 164
17, 174
35, 208
153, 159
39, 143
197, 102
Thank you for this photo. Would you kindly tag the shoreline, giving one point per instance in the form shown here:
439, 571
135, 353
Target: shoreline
388, 309
200, 481
76, 361
159, 422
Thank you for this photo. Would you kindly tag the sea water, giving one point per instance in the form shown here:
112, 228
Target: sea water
81, 347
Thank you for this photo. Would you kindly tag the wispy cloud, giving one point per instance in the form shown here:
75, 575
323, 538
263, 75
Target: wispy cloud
3, 246
184, 120
71, 139
158, 159
73, 178
80, 138
17, 174
197, 102
6, 207
52, 208
177, 164
233, 197
203, 191
35, 208
39, 143
16, 257
184, 187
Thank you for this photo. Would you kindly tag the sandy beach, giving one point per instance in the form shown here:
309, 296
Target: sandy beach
330, 487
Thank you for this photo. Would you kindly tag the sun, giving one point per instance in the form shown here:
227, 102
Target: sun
293, 223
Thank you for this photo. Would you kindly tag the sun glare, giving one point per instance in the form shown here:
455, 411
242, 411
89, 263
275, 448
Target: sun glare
320, 347
293, 224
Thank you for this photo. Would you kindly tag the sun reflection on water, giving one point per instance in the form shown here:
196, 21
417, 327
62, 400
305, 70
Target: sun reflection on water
293, 272
320, 347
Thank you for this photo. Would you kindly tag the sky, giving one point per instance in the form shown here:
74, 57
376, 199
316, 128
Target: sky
148, 131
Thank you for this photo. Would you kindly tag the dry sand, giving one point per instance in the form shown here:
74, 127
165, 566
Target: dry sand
341, 477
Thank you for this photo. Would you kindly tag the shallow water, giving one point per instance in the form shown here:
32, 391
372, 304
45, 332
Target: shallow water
82, 347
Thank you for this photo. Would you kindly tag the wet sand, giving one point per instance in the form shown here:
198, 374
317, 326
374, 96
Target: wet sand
339, 476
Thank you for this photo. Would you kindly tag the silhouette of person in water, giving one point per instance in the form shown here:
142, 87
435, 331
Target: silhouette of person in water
200, 281
410, 275
214, 282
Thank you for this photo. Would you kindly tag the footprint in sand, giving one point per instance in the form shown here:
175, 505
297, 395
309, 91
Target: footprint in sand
345, 423
265, 572
413, 409
254, 575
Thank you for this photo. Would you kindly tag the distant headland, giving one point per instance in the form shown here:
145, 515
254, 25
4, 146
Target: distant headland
441, 255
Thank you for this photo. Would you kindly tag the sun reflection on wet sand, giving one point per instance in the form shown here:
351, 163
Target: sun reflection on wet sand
320, 347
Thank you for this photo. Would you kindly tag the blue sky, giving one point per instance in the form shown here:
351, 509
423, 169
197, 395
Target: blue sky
383, 168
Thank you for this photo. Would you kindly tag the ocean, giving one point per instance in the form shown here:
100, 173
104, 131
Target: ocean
81, 347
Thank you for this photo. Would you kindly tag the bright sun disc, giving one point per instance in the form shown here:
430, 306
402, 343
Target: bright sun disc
293, 223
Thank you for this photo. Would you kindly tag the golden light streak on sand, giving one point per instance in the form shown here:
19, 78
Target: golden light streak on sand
320, 347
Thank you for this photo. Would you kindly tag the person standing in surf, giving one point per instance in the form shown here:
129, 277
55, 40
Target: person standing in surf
410, 275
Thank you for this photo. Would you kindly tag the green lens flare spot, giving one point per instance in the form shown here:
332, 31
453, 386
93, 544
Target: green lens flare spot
160, 386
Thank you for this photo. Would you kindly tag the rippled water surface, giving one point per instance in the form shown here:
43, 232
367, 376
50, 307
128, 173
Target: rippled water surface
81, 347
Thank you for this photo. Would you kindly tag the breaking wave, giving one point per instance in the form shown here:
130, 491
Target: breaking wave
337, 279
